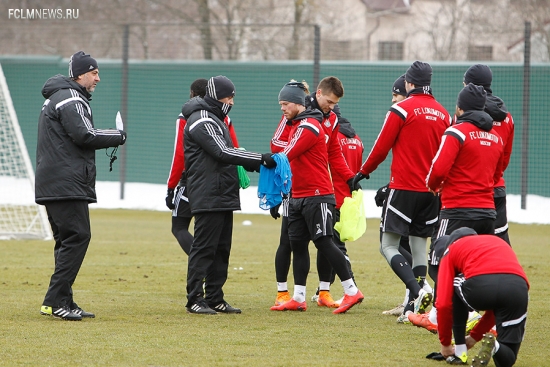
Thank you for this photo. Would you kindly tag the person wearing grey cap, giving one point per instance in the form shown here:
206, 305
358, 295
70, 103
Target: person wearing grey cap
310, 210
66, 174
412, 130
213, 185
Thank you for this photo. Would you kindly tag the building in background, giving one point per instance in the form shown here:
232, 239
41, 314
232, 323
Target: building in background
369, 30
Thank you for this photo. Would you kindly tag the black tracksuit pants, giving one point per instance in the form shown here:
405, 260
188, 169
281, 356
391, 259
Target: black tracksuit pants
209, 256
70, 222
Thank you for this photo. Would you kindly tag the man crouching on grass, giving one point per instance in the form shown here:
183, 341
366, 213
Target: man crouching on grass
482, 273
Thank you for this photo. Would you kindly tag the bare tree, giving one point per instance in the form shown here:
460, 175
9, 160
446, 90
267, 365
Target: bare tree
538, 13
294, 49
446, 29
206, 33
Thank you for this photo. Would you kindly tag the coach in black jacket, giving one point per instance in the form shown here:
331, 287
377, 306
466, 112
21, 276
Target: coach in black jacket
213, 187
66, 173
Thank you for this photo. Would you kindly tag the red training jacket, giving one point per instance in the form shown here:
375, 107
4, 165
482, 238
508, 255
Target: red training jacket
352, 149
466, 167
339, 160
471, 256
281, 136
412, 131
505, 129
338, 165
307, 153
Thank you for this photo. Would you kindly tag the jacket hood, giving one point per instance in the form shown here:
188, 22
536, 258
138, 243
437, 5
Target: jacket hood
346, 128
59, 82
495, 107
480, 119
194, 104
311, 102
309, 113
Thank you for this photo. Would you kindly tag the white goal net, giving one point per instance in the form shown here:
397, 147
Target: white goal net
20, 217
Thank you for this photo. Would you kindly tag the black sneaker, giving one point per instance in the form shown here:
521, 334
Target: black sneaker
457, 361
77, 310
225, 307
63, 313
200, 307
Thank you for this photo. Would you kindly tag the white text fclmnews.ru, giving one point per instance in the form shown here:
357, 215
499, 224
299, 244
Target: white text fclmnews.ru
43, 13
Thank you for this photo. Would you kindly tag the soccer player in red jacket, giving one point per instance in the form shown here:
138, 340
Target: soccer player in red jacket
312, 200
480, 272
352, 150
176, 196
399, 93
412, 131
329, 91
467, 166
503, 123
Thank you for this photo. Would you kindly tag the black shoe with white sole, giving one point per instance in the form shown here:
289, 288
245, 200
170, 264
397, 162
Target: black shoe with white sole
224, 307
200, 307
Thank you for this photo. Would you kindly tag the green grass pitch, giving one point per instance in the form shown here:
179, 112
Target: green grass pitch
133, 278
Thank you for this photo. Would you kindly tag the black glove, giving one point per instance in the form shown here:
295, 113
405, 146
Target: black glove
274, 211
123, 134
358, 177
268, 161
381, 195
170, 199
351, 185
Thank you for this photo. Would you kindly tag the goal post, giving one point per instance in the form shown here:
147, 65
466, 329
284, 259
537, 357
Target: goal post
20, 216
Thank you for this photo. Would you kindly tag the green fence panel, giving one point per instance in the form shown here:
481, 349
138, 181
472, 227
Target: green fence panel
157, 90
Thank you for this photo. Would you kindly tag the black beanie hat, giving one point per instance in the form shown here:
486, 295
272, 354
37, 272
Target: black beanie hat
472, 97
399, 86
294, 92
220, 87
419, 74
80, 63
479, 74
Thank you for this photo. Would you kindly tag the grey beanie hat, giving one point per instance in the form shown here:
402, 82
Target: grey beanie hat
294, 92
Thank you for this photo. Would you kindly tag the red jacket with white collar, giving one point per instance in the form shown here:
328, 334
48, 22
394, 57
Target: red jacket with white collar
468, 163
412, 131
307, 153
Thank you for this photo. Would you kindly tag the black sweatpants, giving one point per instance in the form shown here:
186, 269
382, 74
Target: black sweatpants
70, 222
501, 223
209, 256
180, 230
507, 295
283, 255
